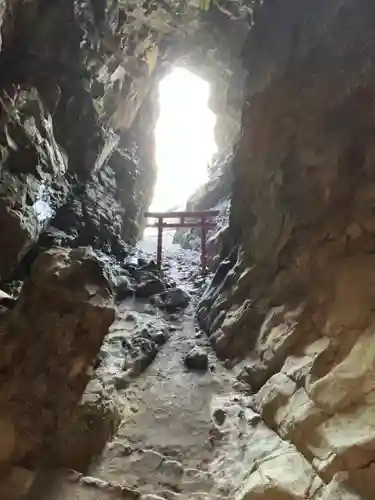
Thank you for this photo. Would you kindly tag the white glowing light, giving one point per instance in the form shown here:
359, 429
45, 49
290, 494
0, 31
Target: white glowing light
184, 137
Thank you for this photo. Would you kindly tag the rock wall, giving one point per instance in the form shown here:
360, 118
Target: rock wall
296, 292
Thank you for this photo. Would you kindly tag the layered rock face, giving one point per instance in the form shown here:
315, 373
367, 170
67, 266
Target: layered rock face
297, 292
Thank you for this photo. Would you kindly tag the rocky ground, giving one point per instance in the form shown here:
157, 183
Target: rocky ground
160, 414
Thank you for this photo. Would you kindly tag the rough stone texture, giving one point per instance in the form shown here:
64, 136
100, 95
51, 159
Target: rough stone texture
298, 294
77, 92
32, 175
49, 342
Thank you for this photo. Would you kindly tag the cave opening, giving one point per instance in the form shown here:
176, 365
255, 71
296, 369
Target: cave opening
184, 138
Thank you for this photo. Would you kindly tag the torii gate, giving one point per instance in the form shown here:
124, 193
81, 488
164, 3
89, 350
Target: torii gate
202, 220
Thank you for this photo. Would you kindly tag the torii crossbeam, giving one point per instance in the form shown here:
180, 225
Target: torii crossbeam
202, 220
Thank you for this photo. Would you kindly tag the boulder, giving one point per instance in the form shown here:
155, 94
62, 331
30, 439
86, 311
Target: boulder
49, 343
196, 359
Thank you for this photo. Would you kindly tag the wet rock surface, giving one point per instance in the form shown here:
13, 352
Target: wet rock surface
166, 441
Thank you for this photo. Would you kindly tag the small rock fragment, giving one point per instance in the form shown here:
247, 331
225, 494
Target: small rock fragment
219, 416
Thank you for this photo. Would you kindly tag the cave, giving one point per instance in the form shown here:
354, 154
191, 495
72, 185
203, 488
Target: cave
122, 380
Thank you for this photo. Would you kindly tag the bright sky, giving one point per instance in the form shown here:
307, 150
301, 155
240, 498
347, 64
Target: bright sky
184, 136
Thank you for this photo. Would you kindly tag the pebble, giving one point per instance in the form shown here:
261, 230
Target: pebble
160, 338
219, 416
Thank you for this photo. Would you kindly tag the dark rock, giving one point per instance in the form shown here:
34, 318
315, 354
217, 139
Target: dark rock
143, 352
219, 416
122, 381
160, 338
151, 285
172, 300
196, 359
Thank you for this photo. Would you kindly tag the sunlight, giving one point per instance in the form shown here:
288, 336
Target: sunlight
184, 137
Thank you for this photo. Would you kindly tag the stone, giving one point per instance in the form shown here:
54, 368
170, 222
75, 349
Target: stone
196, 359
160, 338
122, 381
172, 300
219, 416
151, 285
67, 304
